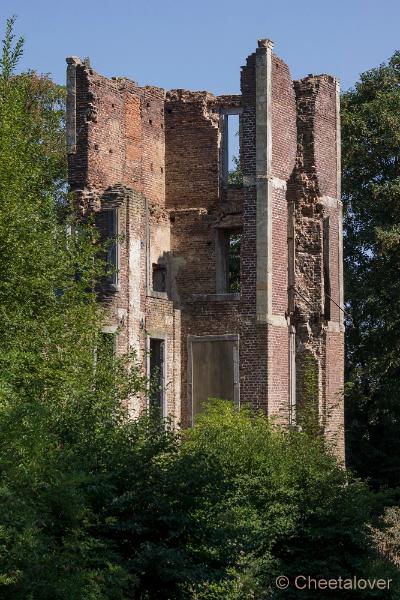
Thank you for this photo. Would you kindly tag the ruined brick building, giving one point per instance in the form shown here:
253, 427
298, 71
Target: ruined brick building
230, 289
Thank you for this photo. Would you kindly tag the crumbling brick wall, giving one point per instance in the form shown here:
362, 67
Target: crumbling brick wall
314, 192
160, 157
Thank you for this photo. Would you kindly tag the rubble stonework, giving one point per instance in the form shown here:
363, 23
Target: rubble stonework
159, 159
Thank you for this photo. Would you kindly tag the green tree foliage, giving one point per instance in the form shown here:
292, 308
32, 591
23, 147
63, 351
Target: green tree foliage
238, 502
59, 410
235, 241
371, 193
11, 52
387, 537
235, 176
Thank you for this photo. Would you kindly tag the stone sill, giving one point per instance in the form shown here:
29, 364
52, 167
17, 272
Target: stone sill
335, 326
215, 298
159, 295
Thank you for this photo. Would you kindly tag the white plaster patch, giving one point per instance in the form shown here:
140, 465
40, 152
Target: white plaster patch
330, 202
160, 242
279, 184
277, 320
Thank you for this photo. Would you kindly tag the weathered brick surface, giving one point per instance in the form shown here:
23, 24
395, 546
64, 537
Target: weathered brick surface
279, 253
333, 387
283, 120
191, 150
325, 136
157, 156
278, 368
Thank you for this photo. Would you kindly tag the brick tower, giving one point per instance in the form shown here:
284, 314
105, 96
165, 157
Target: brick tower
226, 284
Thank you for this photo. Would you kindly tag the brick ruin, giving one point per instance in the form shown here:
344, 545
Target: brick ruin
154, 166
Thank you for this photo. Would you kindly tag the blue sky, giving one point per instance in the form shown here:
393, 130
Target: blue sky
201, 45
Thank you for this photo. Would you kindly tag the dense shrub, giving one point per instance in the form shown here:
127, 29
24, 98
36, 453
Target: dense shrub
244, 501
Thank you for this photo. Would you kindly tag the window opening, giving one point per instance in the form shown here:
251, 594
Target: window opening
233, 145
234, 243
213, 370
156, 376
159, 279
228, 265
107, 223
230, 148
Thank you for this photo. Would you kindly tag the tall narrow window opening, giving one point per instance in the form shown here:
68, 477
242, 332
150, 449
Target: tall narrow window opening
159, 282
233, 143
156, 375
228, 267
112, 248
234, 244
107, 224
230, 148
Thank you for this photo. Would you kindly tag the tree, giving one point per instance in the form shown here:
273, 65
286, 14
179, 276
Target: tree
371, 194
61, 415
235, 175
387, 538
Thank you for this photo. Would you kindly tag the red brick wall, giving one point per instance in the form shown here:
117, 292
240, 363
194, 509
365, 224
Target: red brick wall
161, 319
193, 248
279, 253
278, 369
325, 136
313, 179
283, 120
192, 152
334, 377
165, 148
334, 273
153, 144
121, 136
254, 345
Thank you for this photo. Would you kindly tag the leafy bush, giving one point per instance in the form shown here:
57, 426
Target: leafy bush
273, 502
226, 507
387, 537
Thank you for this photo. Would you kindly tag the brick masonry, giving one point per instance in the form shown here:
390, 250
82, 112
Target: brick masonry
157, 157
